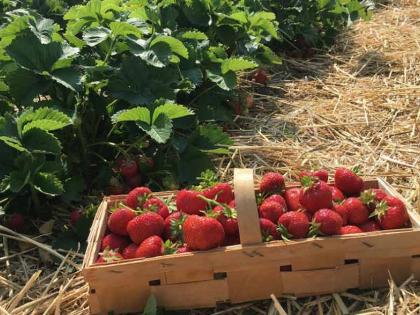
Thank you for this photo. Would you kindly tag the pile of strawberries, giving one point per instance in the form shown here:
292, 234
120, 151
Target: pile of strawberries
317, 208
205, 217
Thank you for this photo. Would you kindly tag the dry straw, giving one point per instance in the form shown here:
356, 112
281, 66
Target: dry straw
357, 104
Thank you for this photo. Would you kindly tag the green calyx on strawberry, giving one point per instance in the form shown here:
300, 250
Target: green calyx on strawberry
391, 213
283, 232
170, 247
173, 226
137, 196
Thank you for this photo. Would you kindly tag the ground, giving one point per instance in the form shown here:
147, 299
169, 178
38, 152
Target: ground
357, 104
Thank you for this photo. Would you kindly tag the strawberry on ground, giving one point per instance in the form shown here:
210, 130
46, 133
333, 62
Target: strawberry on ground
370, 226
108, 256
130, 251
336, 193
75, 215
157, 205
221, 192
327, 222
128, 168
115, 242
228, 218
292, 197
118, 220
293, 224
150, 247
15, 222
137, 196
316, 195
202, 233
271, 210
268, 230
173, 226
357, 213
189, 202
348, 181
391, 213
342, 210
144, 226
350, 229
272, 183
260, 76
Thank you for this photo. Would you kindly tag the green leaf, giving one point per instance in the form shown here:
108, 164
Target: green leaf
176, 45
73, 188
96, 35
160, 130
134, 114
124, 29
237, 64
13, 143
18, 179
44, 118
158, 56
48, 184
42, 28
172, 111
225, 81
194, 35
191, 164
151, 306
41, 141
211, 139
10, 30
68, 77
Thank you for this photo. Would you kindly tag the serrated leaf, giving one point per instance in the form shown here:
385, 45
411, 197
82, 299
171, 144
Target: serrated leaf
225, 81
41, 141
68, 77
48, 184
44, 118
96, 35
172, 111
134, 114
73, 188
158, 56
176, 45
18, 179
194, 35
237, 64
211, 139
42, 28
13, 143
123, 29
160, 130
44, 124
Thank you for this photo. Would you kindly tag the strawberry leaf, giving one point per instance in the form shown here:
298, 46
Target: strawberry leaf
48, 184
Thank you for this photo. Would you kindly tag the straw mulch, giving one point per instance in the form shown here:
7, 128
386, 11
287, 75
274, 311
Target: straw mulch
357, 104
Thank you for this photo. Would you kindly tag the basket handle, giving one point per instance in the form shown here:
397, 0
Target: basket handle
246, 206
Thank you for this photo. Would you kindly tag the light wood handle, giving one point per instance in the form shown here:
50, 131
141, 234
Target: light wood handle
246, 206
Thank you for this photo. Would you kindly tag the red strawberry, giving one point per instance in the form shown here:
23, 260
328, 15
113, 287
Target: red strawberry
370, 226
118, 220
108, 256
271, 210
128, 168
391, 213
357, 213
144, 226
350, 229
304, 174
371, 197
173, 226
130, 251
115, 242
133, 181
115, 187
221, 192
307, 214
272, 183
260, 76
321, 174
292, 197
189, 202
137, 197
337, 195
328, 222
150, 247
228, 218
182, 249
342, 210
75, 215
268, 230
202, 233
232, 204
293, 224
232, 240
277, 198
15, 222
157, 205
348, 181
316, 195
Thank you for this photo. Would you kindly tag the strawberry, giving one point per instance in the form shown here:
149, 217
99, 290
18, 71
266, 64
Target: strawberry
232, 240
115, 242
316, 195
157, 205
342, 210
321, 174
182, 249
173, 226
268, 230
371, 197
327, 222
370, 226
115, 187
228, 218
144, 226
75, 215
232, 204
118, 220
271, 210
350, 229
145, 163
277, 198
304, 173
307, 214
202, 233
15, 222
292, 197
391, 213
293, 224
150, 247
133, 181
336, 193
348, 181
357, 213
272, 183
189, 202
108, 256
221, 192
137, 196
130, 251
260, 76
128, 168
